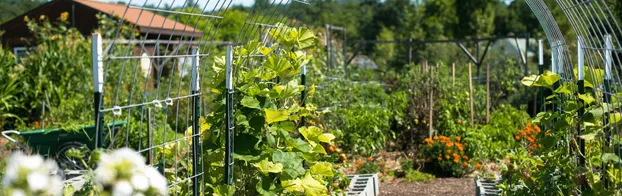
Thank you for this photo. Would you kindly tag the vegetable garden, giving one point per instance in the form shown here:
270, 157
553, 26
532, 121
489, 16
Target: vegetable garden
282, 109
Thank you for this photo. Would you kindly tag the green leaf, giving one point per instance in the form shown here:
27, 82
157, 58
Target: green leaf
545, 80
614, 118
588, 136
610, 157
326, 137
319, 149
564, 89
266, 167
322, 168
587, 98
265, 50
312, 186
250, 102
292, 163
276, 115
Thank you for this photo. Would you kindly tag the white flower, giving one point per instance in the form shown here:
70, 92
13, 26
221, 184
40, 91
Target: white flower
104, 175
31, 162
37, 181
18, 192
122, 188
140, 182
156, 180
126, 154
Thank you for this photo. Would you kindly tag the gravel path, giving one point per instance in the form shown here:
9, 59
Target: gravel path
436, 187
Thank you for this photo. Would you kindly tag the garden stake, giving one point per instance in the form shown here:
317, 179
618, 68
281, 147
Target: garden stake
453, 74
98, 81
431, 127
471, 97
196, 126
487, 93
229, 118
581, 90
607, 95
541, 71
303, 94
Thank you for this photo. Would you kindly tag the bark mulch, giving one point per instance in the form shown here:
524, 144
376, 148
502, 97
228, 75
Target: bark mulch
435, 187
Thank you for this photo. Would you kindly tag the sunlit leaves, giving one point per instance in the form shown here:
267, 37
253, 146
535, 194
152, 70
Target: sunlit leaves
266, 167
322, 168
275, 115
308, 185
250, 102
545, 80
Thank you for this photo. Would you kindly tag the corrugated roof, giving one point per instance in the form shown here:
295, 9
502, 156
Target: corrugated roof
146, 20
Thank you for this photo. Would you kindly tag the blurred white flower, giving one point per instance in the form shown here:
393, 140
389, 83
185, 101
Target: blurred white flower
37, 181
125, 172
18, 192
156, 180
32, 175
140, 182
122, 188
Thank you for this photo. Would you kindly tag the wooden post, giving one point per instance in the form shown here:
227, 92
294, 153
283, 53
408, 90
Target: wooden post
431, 106
471, 97
487, 93
453, 74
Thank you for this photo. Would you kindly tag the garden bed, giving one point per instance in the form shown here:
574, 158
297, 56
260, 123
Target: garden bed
438, 186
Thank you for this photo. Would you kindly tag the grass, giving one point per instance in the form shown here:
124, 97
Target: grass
417, 176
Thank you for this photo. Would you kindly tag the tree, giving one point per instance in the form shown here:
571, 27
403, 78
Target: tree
13, 8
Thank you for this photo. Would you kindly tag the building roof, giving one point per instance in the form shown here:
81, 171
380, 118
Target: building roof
146, 21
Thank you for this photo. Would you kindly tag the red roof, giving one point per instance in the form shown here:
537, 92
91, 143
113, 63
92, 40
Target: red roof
146, 21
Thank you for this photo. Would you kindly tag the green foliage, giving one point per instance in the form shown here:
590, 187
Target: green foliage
369, 167
417, 176
274, 153
14, 8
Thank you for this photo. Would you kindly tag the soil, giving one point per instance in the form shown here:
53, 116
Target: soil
435, 187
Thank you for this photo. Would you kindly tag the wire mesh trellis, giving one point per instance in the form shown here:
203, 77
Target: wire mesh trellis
160, 106
598, 48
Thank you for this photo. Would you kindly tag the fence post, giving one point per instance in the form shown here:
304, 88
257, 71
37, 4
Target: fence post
471, 96
196, 126
607, 95
345, 59
410, 50
541, 71
98, 81
431, 126
327, 39
487, 93
581, 90
303, 94
230, 128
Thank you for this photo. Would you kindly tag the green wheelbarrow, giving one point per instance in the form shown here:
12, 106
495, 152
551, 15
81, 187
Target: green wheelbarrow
54, 143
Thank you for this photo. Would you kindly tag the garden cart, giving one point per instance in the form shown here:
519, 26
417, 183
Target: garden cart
55, 143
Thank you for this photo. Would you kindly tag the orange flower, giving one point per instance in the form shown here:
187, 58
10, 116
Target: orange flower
465, 157
446, 156
457, 138
478, 166
537, 128
430, 145
464, 164
435, 137
369, 159
448, 151
517, 137
456, 160
360, 162
440, 158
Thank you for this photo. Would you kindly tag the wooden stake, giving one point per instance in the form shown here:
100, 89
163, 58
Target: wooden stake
471, 97
453, 74
487, 93
431, 93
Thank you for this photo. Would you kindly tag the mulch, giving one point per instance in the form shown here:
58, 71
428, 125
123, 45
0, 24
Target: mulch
435, 187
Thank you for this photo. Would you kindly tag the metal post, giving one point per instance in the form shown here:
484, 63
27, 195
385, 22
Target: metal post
98, 82
410, 50
303, 94
149, 137
345, 41
327, 39
196, 126
229, 117
581, 90
541, 71
607, 95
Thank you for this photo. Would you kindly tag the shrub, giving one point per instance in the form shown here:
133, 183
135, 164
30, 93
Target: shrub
447, 155
417, 176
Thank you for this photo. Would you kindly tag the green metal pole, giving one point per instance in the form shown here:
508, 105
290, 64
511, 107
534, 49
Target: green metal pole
98, 81
196, 126
230, 128
303, 94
